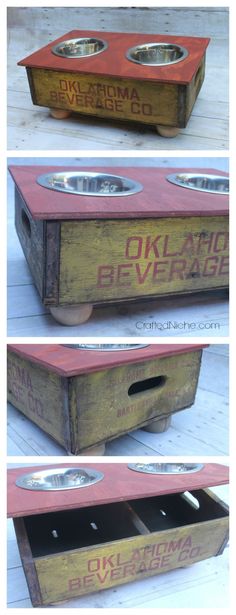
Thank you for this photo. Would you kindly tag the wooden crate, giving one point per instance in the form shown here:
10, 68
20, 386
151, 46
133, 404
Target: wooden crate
126, 527
85, 250
109, 85
83, 398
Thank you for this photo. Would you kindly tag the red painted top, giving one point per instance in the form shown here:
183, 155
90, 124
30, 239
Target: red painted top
119, 484
72, 362
113, 62
158, 199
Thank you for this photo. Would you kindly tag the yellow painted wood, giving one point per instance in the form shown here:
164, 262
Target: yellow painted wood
101, 408
147, 102
41, 396
83, 571
194, 88
114, 259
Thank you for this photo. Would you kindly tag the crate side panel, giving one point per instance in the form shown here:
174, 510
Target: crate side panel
107, 260
41, 395
101, 406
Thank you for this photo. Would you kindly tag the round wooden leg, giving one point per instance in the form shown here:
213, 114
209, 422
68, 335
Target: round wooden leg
98, 449
167, 131
73, 314
60, 114
159, 426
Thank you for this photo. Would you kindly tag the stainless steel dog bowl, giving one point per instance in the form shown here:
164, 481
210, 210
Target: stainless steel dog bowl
58, 479
156, 54
217, 184
89, 183
79, 47
106, 347
166, 468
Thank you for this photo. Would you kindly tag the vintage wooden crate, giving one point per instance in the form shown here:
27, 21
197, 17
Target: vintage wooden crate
83, 397
93, 238
147, 78
127, 526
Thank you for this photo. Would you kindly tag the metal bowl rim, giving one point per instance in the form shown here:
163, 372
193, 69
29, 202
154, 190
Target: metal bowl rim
197, 468
77, 57
20, 481
92, 347
172, 178
183, 50
136, 187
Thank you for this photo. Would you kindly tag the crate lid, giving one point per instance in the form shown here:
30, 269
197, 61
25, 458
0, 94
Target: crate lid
72, 362
113, 61
158, 199
119, 484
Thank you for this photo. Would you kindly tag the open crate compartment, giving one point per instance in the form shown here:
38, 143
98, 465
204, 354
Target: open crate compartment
62, 531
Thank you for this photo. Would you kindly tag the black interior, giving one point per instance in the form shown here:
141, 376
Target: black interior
149, 383
73, 529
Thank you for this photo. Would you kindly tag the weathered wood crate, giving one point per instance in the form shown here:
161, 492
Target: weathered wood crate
82, 397
153, 79
94, 238
128, 526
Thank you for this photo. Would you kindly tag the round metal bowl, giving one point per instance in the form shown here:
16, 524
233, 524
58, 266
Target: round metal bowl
106, 347
217, 184
89, 183
166, 468
79, 47
156, 54
59, 479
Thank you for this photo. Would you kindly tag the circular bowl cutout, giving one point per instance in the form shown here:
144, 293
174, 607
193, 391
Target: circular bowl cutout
59, 479
79, 48
156, 54
216, 184
89, 183
106, 347
166, 468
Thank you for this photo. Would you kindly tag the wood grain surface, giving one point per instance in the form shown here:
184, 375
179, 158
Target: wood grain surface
119, 484
69, 362
113, 61
159, 198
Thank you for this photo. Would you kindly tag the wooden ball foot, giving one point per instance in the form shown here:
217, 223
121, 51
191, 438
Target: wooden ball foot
159, 426
72, 315
60, 114
167, 131
98, 449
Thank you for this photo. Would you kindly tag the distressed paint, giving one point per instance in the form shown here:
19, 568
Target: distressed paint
83, 571
41, 395
109, 259
147, 102
120, 412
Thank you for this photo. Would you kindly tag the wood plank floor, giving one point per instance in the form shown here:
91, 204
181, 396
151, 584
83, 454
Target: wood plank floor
201, 314
199, 430
202, 585
31, 127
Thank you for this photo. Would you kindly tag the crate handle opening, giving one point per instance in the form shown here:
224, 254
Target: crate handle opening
190, 499
25, 223
145, 385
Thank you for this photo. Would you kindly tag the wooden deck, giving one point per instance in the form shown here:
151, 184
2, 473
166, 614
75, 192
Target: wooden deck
202, 314
199, 430
31, 127
204, 585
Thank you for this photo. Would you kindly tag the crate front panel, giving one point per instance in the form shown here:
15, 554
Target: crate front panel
115, 259
41, 395
103, 404
84, 571
141, 101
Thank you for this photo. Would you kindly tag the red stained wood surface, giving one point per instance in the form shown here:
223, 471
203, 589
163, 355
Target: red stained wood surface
119, 484
113, 62
71, 362
158, 199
